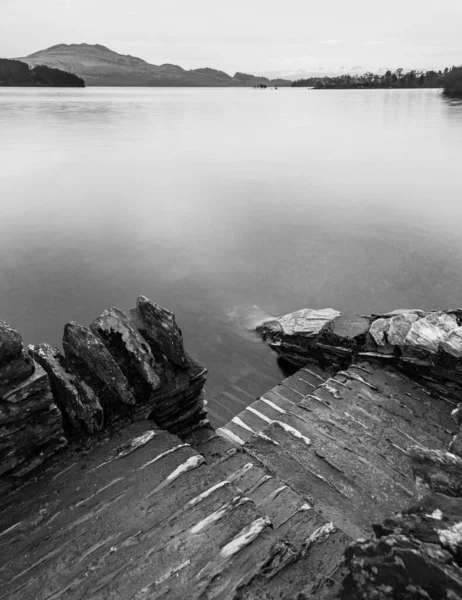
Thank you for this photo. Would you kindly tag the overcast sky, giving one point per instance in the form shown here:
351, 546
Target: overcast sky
247, 35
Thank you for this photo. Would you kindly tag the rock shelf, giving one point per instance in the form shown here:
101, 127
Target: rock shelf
343, 481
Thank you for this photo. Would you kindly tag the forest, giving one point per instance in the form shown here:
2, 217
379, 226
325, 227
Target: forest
450, 80
17, 73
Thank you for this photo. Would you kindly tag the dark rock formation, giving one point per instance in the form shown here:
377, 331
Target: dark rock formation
159, 327
10, 343
417, 556
130, 351
30, 423
79, 404
110, 371
436, 471
91, 361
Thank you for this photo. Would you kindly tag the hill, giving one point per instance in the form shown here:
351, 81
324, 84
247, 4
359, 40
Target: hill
17, 73
100, 66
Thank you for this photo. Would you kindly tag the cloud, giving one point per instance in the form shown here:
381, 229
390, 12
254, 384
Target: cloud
330, 42
373, 43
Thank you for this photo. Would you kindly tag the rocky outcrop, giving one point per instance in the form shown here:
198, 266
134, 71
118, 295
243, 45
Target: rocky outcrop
425, 345
416, 556
159, 327
118, 368
30, 423
80, 406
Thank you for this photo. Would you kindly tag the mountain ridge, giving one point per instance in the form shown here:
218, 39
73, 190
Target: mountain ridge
101, 66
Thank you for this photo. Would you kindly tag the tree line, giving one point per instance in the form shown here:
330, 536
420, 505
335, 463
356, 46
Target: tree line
18, 73
450, 80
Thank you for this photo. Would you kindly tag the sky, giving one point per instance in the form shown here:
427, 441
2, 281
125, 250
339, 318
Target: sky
245, 35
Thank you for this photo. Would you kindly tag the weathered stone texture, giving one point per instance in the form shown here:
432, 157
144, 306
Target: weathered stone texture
159, 327
417, 556
129, 349
79, 404
426, 345
90, 360
30, 423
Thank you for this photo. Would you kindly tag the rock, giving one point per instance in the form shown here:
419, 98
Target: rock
453, 343
10, 343
399, 327
307, 322
378, 330
79, 404
455, 446
37, 382
159, 327
456, 415
350, 327
417, 556
129, 349
436, 471
403, 311
89, 358
15, 371
428, 333
30, 423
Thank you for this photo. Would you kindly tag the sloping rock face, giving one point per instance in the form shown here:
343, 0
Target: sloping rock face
426, 345
30, 422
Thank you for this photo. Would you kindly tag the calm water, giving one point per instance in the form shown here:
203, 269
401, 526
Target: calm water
213, 201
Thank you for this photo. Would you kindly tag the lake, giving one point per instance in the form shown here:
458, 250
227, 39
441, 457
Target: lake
222, 204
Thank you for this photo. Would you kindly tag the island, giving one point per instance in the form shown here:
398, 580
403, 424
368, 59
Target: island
450, 80
343, 481
17, 73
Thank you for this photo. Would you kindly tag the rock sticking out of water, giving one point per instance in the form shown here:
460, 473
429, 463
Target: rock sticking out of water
426, 345
119, 368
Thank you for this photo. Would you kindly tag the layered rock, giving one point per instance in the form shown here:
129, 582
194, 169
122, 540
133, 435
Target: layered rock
80, 406
30, 423
159, 327
426, 345
115, 369
178, 402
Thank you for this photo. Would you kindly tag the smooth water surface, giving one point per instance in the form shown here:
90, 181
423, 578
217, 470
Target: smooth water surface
212, 202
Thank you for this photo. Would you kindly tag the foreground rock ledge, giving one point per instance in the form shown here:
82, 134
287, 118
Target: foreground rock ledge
119, 368
267, 506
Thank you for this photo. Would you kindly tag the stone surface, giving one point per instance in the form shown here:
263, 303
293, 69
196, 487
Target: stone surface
30, 423
436, 471
10, 343
15, 371
417, 556
159, 327
425, 345
79, 404
399, 328
90, 360
129, 349
430, 331
307, 322
378, 330
147, 516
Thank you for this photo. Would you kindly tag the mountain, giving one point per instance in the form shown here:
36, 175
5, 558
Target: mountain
99, 65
